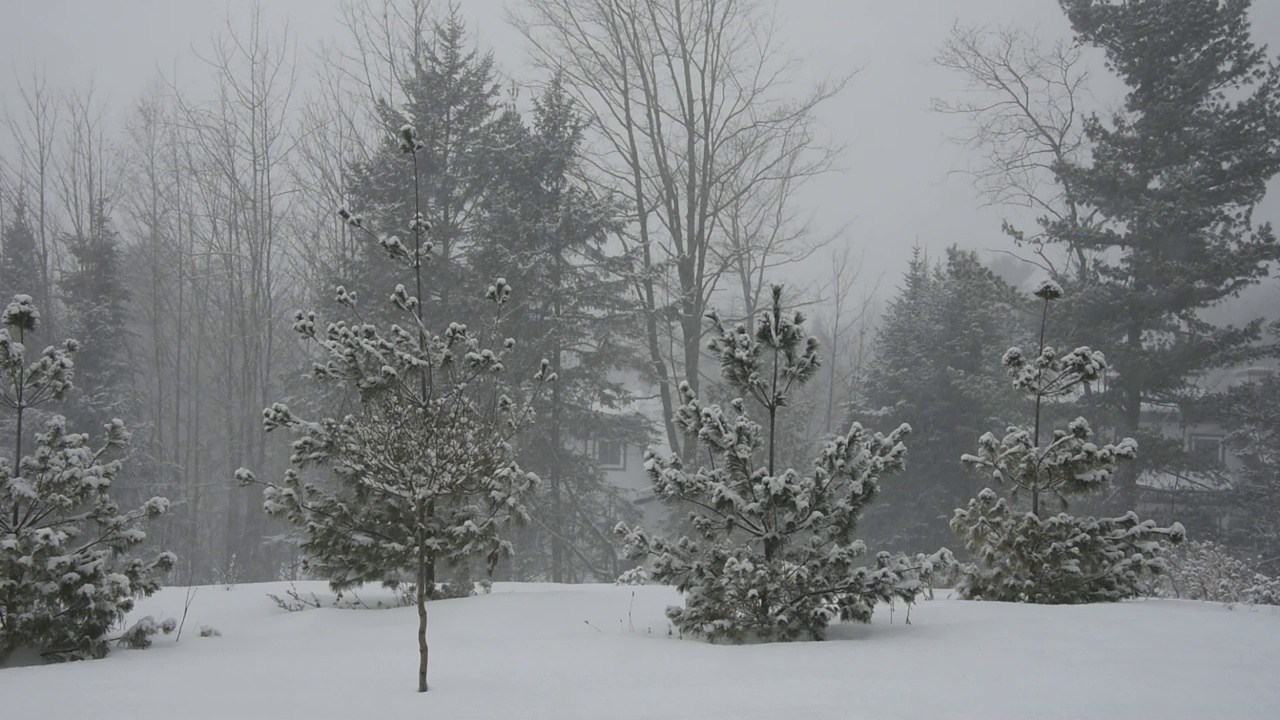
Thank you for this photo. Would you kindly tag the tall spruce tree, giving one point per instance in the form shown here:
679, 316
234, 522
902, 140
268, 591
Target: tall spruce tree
1252, 412
543, 229
931, 365
1172, 181
453, 100
20, 271
95, 297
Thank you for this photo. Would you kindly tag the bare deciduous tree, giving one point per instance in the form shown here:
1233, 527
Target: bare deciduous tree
33, 124
85, 169
696, 119
1024, 103
242, 146
846, 331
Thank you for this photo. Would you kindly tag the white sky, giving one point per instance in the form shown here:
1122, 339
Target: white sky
896, 187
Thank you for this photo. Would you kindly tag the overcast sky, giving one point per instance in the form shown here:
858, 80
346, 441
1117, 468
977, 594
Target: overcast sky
896, 187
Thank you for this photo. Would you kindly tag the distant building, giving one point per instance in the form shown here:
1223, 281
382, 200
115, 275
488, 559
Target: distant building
1197, 500
623, 460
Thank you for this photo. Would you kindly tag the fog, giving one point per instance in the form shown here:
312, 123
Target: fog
379, 312
902, 181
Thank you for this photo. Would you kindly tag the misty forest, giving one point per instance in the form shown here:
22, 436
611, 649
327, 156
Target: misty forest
585, 341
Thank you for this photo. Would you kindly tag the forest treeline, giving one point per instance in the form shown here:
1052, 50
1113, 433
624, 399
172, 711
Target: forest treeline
654, 173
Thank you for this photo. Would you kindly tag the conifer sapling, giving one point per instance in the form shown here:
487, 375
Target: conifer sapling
1030, 557
424, 465
66, 573
774, 553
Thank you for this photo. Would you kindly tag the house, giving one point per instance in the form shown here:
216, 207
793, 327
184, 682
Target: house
623, 460
1198, 499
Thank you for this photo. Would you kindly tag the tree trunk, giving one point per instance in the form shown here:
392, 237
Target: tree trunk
1131, 422
423, 649
691, 331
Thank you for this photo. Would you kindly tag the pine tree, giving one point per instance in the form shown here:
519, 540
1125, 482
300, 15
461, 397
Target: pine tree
66, 577
775, 552
546, 232
1034, 556
1172, 181
20, 271
96, 302
425, 468
1252, 411
931, 364
453, 103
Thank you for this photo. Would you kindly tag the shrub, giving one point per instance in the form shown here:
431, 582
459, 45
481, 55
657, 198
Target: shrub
1207, 571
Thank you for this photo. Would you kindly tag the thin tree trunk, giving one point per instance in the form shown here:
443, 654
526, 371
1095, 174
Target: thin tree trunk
423, 581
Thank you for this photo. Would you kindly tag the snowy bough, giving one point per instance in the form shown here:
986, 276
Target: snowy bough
424, 466
1027, 556
66, 574
774, 557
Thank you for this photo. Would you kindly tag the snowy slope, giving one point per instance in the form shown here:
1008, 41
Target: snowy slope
566, 652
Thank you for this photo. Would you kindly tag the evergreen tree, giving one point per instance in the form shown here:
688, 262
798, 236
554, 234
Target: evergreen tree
453, 103
1035, 556
931, 364
774, 554
96, 302
1252, 412
546, 232
1171, 185
20, 272
66, 577
424, 466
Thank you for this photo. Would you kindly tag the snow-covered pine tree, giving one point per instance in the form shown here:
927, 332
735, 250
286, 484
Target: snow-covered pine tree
424, 465
66, 576
775, 554
1170, 186
1030, 556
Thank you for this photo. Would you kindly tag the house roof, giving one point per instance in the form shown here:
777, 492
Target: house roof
1184, 482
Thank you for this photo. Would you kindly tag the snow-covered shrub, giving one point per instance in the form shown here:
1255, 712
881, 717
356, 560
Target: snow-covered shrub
229, 576
208, 631
637, 575
774, 556
66, 576
138, 636
1024, 555
1059, 559
1207, 571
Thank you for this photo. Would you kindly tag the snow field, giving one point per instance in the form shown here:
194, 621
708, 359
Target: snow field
535, 651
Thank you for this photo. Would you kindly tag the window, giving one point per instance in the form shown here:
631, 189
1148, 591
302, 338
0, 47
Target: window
612, 454
1207, 448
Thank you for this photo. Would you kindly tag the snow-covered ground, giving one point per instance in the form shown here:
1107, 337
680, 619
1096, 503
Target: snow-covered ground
595, 652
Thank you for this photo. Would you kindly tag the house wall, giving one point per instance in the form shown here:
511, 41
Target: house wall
1195, 500
629, 477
